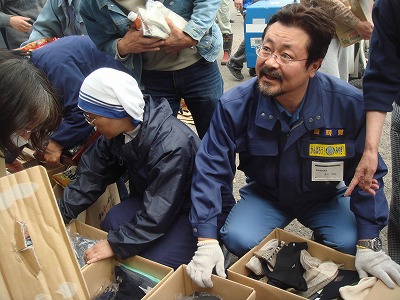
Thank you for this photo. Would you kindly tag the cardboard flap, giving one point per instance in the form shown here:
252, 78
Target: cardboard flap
179, 284
25, 248
37, 259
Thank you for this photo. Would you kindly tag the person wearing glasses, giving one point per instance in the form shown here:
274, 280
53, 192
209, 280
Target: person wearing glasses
29, 108
298, 133
140, 135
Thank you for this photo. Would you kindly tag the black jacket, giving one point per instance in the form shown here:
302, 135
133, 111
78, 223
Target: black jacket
159, 161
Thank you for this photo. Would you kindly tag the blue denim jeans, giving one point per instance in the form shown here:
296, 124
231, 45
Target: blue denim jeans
200, 85
254, 217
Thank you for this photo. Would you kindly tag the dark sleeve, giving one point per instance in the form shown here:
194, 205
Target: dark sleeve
47, 23
169, 178
381, 81
371, 211
214, 173
97, 169
67, 79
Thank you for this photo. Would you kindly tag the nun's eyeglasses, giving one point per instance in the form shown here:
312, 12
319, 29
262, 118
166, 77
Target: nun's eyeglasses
89, 120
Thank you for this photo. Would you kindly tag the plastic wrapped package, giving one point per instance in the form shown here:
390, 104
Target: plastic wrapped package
153, 20
80, 244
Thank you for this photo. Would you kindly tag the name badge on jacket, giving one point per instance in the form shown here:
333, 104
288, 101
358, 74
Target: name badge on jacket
327, 171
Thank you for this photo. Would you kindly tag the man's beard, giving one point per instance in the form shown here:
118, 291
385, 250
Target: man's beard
265, 87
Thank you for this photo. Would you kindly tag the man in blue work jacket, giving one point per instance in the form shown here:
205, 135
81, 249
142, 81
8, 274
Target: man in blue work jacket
299, 134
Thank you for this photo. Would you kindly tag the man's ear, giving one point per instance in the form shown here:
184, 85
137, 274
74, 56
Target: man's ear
314, 67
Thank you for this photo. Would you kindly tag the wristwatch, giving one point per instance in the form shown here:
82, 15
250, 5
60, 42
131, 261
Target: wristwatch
374, 244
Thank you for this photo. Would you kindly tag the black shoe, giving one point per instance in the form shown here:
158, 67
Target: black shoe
237, 73
231, 21
252, 72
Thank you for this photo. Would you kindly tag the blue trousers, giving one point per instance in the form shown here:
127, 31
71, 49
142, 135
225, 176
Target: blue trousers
254, 217
200, 84
175, 247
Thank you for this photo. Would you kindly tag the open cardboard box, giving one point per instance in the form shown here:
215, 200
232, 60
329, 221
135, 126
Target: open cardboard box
96, 213
37, 260
239, 272
99, 275
179, 284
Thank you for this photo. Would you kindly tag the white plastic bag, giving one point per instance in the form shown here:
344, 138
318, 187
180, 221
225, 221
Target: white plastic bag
153, 20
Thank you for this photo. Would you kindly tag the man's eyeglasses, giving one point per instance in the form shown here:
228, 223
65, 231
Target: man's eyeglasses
282, 59
89, 120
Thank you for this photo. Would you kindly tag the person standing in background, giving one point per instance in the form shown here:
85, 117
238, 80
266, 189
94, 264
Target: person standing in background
58, 18
223, 19
182, 66
381, 83
236, 62
336, 59
16, 18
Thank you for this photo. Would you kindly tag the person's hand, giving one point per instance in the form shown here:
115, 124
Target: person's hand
364, 29
363, 176
20, 23
208, 255
99, 251
15, 166
134, 42
377, 264
177, 40
238, 4
53, 153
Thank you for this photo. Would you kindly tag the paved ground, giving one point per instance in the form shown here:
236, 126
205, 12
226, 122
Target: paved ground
230, 81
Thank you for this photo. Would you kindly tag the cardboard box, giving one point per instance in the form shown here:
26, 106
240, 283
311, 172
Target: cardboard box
96, 213
180, 284
239, 272
99, 275
363, 10
155, 269
37, 259
47, 267
381, 291
257, 17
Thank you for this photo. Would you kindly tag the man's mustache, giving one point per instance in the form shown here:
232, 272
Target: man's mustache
273, 74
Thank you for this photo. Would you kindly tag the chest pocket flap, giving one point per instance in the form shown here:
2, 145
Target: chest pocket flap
257, 147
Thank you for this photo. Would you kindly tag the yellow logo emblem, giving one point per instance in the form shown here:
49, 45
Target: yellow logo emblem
323, 150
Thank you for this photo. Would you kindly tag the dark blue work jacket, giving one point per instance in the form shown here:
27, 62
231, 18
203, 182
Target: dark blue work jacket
279, 157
